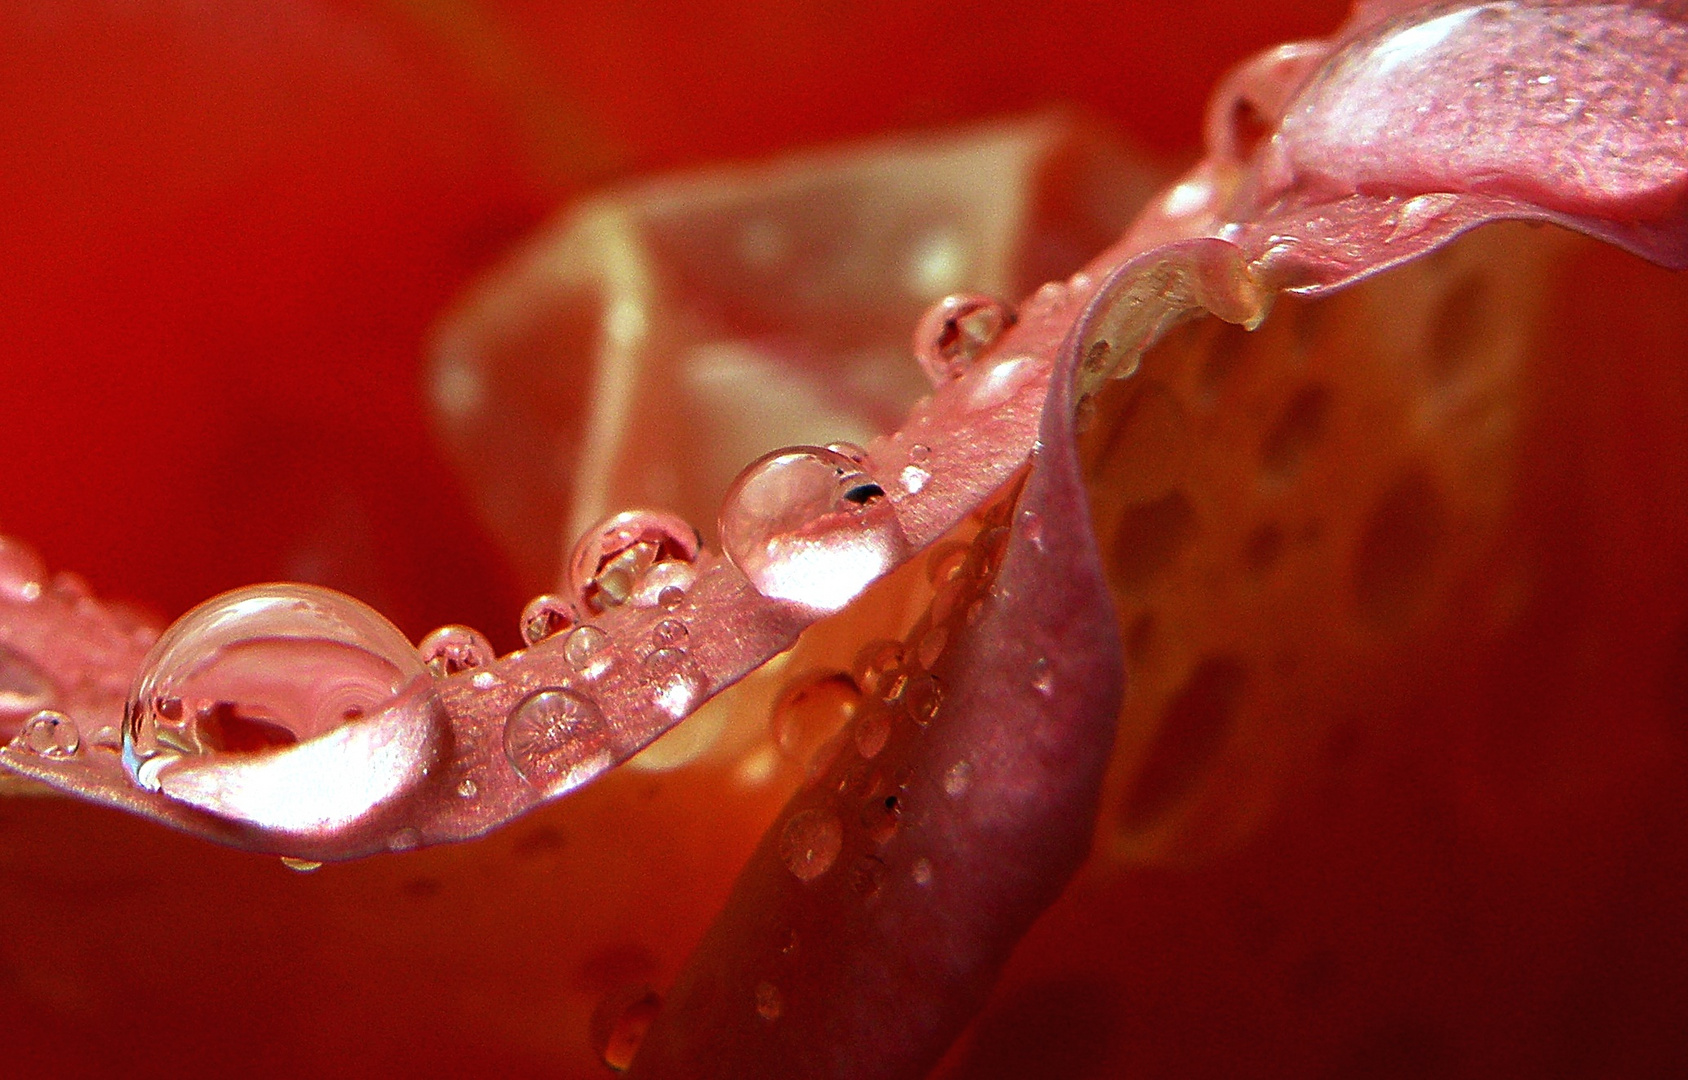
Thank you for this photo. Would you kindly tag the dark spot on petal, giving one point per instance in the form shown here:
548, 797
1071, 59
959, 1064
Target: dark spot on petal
1150, 537
1265, 545
1297, 431
1395, 560
538, 841
1193, 730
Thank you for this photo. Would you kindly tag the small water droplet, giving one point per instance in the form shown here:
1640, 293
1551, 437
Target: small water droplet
873, 732
922, 697
669, 632
1031, 527
619, 1024
664, 585
1043, 679
675, 682
555, 740
956, 331
914, 479
805, 524
300, 866
670, 597
878, 669
919, 452
467, 788
585, 647
611, 558
881, 816
484, 680
51, 735
810, 710
868, 876
21, 570
957, 779
921, 872
810, 843
452, 649
946, 561
263, 668
769, 1002
931, 646
991, 384
546, 615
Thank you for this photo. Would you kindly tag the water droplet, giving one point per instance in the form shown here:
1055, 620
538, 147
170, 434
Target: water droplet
300, 866
914, 479
806, 525
946, 561
585, 648
921, 871
670, 597
1043, 679
610, 558
669, 632
545, 616
919, 452
675, 682
1049, 296
932, 644
868, 875
484, 680
955, 331
1031, 527
878, 669
265, 668
850, 450
810, 843
51, 735
873, 733
24, 688
922, 697
467, 788
810, 710
957, 779
452, 649
21, 570
619, 1024
881, 816
555, 739
664, 585
769, 1002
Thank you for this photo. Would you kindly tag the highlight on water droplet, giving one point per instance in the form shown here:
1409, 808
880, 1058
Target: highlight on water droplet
546, 616
619, 1023
805, 524
1043, 677
923, 697
22, 573
452, 649
556, 740
467, 788
300, 866
51, 735
769, 1001
881, 816
921, 871
291, 707
878, 669
914, 479
611, 559
670, 632
956, 330
810, 843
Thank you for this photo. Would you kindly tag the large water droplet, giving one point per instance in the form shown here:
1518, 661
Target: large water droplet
262, 668
611, 558
292, 707
811, 842
811, 710
52, 735
452, 649
556, 740
675, 682
546, 615
806, 525
586, 649
955, 331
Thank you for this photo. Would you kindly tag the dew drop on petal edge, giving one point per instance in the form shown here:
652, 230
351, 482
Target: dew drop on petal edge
807, 525
955, 331
546, 616
262, 668
452, 649
52, 735
611, 559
